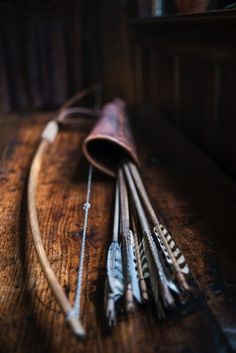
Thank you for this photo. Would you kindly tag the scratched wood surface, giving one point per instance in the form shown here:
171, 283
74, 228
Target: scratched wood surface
197, 201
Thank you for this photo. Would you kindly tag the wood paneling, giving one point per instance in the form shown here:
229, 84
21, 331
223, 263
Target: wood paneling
191, 79
117, 74
196, 89
40, 54
46, 57
225, 143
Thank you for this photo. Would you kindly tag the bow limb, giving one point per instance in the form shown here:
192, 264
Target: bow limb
48, 136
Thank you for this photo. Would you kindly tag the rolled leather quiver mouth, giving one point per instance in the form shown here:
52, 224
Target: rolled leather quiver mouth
111, 139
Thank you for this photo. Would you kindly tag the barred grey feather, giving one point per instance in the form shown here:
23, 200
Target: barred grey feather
141, 275
146, 273
158, 278
133, 268
159, 231
163, 248
115, 271
153, 271
115, 281
154, 280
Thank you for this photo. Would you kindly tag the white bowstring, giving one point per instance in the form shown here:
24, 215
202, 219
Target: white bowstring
76, 307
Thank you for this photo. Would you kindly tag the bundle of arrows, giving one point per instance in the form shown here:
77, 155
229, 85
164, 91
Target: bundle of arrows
143, 261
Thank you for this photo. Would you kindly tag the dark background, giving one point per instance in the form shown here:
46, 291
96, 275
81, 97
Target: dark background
183, 65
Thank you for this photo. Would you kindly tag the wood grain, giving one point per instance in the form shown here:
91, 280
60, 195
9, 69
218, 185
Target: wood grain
195, 198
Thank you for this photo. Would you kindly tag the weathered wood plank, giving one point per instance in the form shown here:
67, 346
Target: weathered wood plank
192, 194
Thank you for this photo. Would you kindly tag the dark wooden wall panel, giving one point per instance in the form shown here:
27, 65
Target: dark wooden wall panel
40, 53
117, 74
225, 148
147, 75
163, 75
187, 69
152, 68
196, 89
91, 33
11, 80
49, 50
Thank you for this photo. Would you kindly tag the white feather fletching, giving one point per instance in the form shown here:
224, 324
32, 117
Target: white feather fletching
115, 270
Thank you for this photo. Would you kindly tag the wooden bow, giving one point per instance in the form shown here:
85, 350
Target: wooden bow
47, 138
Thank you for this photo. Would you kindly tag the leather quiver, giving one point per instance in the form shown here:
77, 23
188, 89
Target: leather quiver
111, 139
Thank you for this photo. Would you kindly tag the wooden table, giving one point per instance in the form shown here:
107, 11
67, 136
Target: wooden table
197, 201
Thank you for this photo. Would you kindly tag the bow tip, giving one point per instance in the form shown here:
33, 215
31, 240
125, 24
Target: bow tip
76, 327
